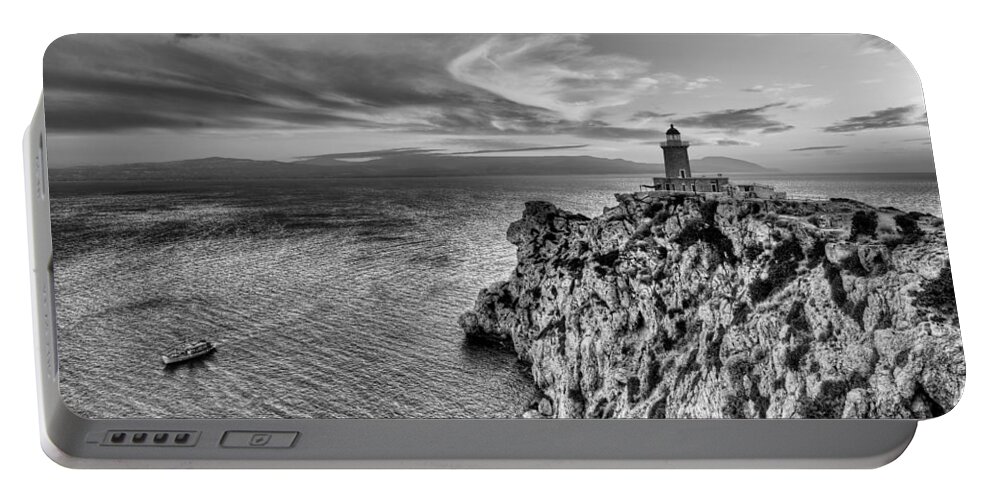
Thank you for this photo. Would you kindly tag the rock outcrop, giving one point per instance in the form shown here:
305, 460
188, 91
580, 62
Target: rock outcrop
684, 307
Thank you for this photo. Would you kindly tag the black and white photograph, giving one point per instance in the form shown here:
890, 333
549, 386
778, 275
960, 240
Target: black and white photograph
497, 226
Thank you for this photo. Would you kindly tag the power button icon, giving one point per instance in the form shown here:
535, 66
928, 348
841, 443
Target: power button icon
260, 439
245, 439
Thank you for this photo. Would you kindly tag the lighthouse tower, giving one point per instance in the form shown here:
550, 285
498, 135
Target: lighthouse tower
675, 155
677, 169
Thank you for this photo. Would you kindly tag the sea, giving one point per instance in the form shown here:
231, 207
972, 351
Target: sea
327, 298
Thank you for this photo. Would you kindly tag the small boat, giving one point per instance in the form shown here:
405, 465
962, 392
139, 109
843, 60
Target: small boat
187, 352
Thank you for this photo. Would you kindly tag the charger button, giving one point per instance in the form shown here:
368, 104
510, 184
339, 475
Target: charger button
258, 439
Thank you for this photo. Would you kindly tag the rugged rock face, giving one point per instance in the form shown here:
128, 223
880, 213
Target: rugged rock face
679, 307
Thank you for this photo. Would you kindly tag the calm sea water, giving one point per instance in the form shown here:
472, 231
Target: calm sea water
327, 298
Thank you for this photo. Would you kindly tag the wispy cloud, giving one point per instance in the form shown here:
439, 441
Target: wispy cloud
806, 103
731, 142
902, 116
278, 96
596, 129
776, 88
787, 92
872, 44
505, 86
99, 83
519, 150
734, 121
775, 129
681, 84
554, 72
923, 141
377, 153
649, 115
818, 148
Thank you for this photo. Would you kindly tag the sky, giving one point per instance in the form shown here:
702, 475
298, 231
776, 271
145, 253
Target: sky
799, 103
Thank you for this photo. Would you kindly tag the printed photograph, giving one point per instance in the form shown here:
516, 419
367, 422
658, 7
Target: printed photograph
496, 226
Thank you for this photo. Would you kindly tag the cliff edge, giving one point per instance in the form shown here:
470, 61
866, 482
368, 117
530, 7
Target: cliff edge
686, 307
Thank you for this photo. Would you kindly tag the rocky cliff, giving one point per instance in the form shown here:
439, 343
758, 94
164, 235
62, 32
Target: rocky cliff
679, 306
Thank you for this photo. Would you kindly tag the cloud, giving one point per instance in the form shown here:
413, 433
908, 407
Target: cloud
700, 83
734, 121
807, 103
785, 91
733, 142
422, 84
648, 115
517, 150
595, 129
818, 148
378, 153
682, 84
107, 83
112, 83
776, 88
562, 74
553, 72
902, 116
872, 44
924, 141
775, 129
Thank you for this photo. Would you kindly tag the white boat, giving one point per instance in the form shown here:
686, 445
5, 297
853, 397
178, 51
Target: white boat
187, 352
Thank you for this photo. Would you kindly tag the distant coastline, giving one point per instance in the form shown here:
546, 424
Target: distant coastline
220, 169
414, 165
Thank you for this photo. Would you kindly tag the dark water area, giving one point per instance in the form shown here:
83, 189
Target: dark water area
326, 297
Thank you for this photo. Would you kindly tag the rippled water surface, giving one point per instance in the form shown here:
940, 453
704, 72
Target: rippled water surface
327, 298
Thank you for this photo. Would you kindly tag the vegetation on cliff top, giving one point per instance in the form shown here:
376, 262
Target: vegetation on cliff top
939, 293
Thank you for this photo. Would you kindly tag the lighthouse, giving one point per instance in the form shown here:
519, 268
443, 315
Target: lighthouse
678, 177
675, 155
679, 180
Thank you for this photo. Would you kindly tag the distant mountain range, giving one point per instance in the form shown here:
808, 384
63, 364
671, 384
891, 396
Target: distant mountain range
413, 165
723, 164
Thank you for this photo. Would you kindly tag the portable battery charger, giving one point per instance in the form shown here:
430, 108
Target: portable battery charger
486, 250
